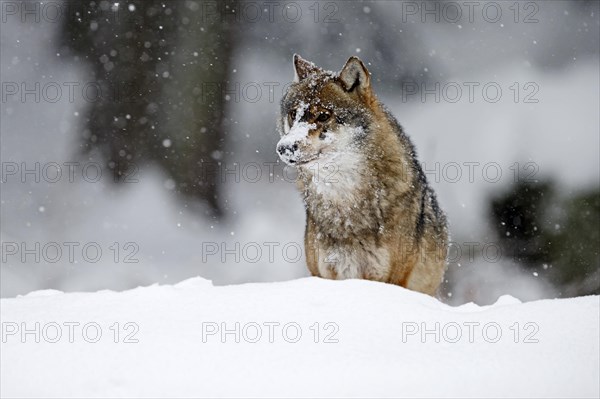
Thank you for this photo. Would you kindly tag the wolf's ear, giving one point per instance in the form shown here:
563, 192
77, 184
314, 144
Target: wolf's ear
355, 75
303, 68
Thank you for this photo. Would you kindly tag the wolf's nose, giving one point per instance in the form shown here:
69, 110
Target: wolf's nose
282, 149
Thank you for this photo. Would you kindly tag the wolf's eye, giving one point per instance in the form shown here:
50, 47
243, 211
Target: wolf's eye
292, 114
323, 116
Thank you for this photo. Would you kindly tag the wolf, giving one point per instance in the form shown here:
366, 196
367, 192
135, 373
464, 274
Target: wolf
370, 213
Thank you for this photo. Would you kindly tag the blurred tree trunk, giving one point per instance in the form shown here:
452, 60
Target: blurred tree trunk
153, 62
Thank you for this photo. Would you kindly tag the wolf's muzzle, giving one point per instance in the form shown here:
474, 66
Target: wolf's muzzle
287, 152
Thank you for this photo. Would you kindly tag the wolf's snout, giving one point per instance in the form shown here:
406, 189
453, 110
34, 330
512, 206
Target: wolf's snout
282, 149
288, 151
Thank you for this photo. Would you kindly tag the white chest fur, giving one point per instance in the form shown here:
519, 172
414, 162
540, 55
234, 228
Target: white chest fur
356, 262
337, 178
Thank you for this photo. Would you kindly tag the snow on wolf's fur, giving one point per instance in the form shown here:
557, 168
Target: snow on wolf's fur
335, 165
297, 133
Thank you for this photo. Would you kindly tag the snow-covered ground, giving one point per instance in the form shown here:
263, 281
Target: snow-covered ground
302, 338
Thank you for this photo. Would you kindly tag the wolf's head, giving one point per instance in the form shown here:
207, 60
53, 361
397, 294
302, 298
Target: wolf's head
324, 114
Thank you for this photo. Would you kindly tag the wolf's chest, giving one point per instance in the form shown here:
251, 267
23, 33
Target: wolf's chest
343, 262
337, 179
346, 210
339, 193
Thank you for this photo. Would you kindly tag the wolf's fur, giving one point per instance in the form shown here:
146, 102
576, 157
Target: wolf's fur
369, 210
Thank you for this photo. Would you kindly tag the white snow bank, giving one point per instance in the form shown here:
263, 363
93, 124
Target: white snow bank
372, 346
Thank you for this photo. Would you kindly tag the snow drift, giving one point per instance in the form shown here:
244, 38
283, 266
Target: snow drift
308, 337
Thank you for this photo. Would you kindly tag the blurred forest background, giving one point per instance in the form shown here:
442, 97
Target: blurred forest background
184, 129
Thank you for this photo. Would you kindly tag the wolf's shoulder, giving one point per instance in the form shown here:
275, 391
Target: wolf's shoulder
430, 208
404, 139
